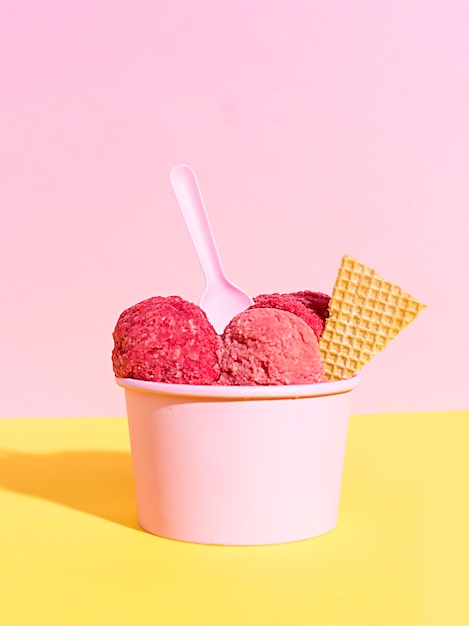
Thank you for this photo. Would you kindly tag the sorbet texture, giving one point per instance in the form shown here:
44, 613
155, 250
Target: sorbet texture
166, 339
267, 346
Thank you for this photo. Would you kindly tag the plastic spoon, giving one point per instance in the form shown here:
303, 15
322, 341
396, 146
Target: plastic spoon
222, 299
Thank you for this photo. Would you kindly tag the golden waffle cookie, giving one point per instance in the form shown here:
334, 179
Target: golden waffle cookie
365, 313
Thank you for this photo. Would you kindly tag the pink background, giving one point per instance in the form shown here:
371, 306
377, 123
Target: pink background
316, 129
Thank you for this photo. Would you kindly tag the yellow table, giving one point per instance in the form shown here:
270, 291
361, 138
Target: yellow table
72, 553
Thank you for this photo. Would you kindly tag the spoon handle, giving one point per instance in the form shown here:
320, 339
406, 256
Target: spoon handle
189, 197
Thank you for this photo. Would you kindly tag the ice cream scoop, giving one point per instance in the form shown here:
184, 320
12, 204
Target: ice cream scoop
311, 306
265, 346
222, 299
166, 339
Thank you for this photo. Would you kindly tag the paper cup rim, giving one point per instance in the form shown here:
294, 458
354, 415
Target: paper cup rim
232, 392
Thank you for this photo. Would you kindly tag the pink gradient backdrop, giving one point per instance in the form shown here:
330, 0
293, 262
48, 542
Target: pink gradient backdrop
316, 129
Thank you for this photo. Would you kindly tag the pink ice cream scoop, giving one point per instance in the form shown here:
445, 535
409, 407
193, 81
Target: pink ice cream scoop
267, 346
166, 339
311, 306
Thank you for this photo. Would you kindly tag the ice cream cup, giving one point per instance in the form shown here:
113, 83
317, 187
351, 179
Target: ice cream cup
238, 465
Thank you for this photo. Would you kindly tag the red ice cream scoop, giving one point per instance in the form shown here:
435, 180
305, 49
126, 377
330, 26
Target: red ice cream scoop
166, 339
311, 306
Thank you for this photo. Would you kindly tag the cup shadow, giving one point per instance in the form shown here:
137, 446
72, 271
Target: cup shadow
98, 482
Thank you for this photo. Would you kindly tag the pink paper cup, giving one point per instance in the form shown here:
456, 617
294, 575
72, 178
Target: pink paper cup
238, 465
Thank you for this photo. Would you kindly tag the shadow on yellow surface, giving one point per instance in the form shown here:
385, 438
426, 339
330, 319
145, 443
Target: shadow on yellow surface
96, 482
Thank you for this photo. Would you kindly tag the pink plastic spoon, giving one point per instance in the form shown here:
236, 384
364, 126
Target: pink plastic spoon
222, 299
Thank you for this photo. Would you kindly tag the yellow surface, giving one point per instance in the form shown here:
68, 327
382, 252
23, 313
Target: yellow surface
71, 551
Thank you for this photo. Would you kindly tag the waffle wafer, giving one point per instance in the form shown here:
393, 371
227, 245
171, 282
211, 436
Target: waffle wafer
365, 313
